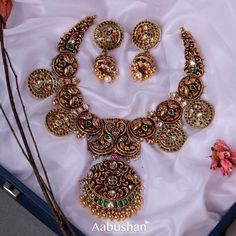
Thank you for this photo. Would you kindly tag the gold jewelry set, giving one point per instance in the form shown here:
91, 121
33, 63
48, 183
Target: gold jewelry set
108, 35
112, 189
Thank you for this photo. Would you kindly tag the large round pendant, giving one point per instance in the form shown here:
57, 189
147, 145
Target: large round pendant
112, 190
199, 113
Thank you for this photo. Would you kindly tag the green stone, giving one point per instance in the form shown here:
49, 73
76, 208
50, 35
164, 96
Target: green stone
100, 202
145, 128
115, 204
126, 201
192, 87
171, 112
105, 203
107, 137
192, 69
68, 95
120, 203
95, 198
70, 46
62, 63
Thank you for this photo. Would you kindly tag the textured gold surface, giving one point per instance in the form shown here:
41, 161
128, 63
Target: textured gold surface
190, 87
64, 65
170, 138
169, 111
199, 113
143, 66
42, 83
60, 122
71, 41
108, 35
105, 68
146, 35
112, 190
69, 96
193, 61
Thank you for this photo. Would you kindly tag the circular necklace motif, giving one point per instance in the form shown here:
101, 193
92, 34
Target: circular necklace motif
112, 189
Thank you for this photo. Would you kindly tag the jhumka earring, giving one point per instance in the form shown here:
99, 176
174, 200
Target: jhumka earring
145, 36
108, 35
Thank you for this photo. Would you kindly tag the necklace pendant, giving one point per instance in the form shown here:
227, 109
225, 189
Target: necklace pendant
112, 190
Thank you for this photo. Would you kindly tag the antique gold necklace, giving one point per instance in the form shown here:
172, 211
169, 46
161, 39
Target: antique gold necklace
111, 188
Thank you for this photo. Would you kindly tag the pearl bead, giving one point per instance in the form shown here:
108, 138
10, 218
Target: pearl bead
107, 78
139, 75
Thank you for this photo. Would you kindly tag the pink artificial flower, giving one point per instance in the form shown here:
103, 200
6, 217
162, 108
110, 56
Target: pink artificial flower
222, 157
5, 10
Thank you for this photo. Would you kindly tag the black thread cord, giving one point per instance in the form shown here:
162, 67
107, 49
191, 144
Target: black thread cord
63, 223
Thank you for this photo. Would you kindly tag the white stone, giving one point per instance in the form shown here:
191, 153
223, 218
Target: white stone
144, 37
199, 115
110, 205
107, 78
111, 193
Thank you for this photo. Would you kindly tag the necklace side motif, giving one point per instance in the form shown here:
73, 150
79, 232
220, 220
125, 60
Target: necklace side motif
112, 189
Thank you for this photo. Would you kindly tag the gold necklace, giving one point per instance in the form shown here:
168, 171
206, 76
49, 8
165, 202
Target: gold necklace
111, 188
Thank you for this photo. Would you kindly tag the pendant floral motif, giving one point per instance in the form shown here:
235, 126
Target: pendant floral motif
112, 190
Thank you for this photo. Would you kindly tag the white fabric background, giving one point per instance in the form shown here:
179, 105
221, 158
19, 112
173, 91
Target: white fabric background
182, 196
